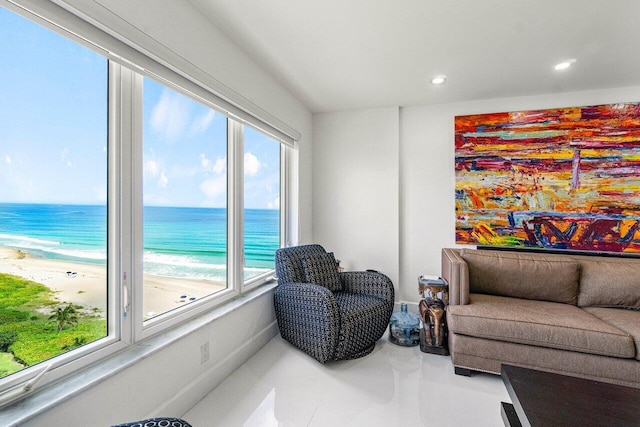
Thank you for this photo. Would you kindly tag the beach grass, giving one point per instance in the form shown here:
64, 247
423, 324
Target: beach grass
8, 365
25, 307
18, 294
40, 340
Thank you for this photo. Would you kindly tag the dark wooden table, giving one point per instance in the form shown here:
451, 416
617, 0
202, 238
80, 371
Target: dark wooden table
544, 399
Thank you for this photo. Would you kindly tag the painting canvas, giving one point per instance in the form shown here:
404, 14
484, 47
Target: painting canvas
564, 178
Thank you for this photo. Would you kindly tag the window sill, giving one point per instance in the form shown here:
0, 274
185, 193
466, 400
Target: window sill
54, 394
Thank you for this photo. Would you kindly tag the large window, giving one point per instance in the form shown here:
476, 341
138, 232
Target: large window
53, 195
261, 203
185, 200
129, 202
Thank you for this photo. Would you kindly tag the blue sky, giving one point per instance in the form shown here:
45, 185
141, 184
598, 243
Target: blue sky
53, 131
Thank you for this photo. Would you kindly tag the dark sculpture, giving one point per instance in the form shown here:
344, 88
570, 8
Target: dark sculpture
433, 335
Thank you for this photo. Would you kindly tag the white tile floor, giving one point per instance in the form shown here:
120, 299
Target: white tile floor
393, 386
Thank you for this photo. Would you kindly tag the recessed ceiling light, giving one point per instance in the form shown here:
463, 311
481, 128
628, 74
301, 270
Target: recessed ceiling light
564, 64
438, 80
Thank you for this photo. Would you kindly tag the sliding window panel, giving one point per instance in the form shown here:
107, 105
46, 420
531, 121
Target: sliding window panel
262, 212
184, 200
53, 196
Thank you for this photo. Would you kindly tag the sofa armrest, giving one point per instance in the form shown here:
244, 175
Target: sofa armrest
369, 283
456, 272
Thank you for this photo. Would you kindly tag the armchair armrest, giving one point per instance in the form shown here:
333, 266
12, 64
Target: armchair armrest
369, 283
456, 272
308, 317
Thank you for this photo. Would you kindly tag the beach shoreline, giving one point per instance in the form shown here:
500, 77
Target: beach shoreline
86, 285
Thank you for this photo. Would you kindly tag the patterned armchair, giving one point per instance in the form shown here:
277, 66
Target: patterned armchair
327, 314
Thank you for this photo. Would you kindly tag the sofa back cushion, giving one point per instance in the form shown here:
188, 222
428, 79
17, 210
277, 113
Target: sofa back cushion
610, 284
520, 276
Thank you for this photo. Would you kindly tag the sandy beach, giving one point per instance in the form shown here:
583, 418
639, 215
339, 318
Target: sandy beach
85, 284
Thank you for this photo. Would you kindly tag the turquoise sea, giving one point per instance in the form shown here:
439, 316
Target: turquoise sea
178, 242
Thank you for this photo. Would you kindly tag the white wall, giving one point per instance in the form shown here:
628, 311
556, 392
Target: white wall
355, 196
420, 166
172, 380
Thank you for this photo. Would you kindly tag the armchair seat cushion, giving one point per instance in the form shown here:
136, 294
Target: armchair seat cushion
538, 323
364, 319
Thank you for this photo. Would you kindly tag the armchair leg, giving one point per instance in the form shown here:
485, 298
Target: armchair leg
462, 371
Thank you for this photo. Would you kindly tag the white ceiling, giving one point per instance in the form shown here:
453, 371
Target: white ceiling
351, 54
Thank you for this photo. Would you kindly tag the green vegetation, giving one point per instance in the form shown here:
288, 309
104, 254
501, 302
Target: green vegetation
34, 326
6, 339
44, 341
18, 293
64, 316
8, 365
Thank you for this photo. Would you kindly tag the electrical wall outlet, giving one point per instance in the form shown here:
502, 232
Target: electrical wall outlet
204, 352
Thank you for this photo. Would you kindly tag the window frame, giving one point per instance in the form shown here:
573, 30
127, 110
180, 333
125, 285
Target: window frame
266, 277
116, 339
125, 325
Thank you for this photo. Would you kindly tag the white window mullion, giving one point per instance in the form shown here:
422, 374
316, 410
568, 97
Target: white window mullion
134, 313
284, 197
235, 205
118, 238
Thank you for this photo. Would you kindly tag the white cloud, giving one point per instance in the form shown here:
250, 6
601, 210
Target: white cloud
204, 161
7, 159
170, 116
101, 193
163, 181
220, 166
274, 204
202, 123
151, 167
179, 171
214, 187
64, 158
251, 164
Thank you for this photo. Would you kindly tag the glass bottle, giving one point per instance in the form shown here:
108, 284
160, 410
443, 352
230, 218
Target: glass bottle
404, 327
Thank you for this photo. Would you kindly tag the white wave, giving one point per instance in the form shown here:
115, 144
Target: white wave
218, 275
86, 254
18, 238
179, 261
95, 255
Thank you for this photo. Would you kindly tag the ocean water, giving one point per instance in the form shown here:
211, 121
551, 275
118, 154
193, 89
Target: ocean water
178, 242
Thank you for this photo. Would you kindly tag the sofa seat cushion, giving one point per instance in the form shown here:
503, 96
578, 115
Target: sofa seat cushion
517, 275
538, 323
625, 320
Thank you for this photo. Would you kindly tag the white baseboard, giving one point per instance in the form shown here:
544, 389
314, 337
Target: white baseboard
195, 391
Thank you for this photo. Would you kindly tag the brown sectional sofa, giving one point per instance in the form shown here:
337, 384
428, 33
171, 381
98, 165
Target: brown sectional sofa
571, 314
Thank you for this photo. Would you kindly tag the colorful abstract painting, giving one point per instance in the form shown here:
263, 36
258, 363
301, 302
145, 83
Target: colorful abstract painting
565, 178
